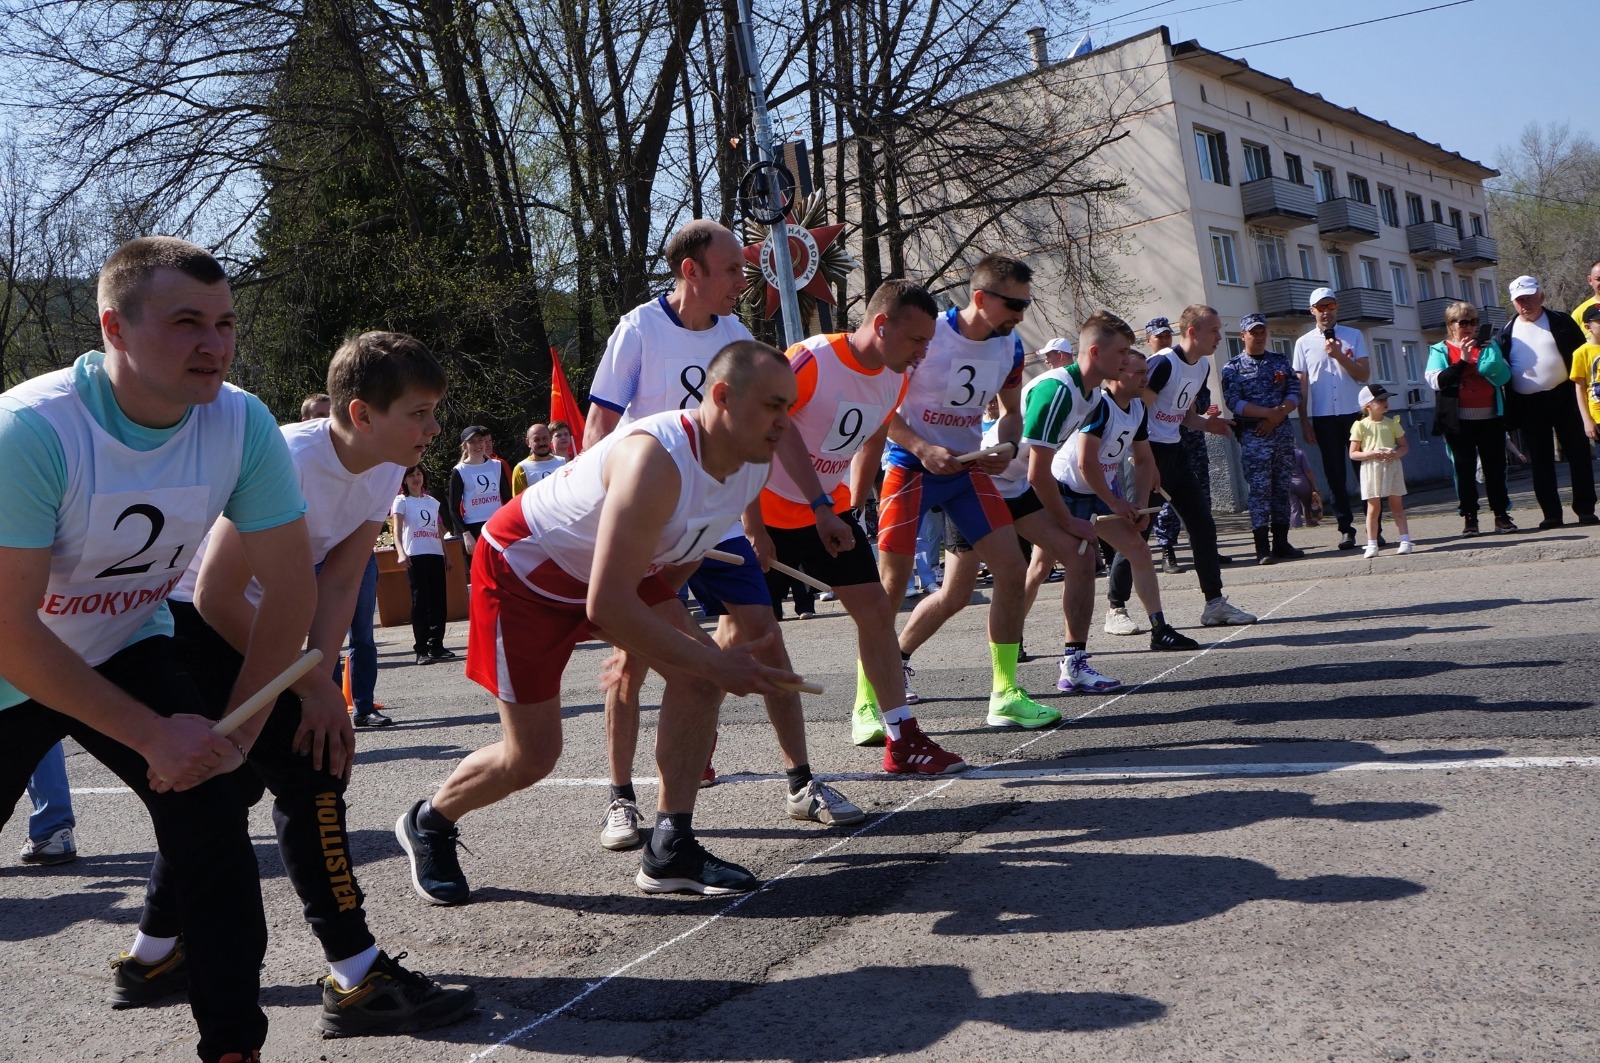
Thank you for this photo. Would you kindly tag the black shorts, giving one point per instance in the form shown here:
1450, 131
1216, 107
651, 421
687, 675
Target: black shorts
802, 548
1023, 505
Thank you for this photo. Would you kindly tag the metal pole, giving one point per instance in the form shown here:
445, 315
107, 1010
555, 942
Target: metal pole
778, 232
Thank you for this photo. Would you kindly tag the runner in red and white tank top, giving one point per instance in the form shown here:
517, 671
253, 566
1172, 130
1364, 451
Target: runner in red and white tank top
580, 555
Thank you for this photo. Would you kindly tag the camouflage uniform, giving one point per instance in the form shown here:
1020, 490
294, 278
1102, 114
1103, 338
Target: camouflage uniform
1267, 461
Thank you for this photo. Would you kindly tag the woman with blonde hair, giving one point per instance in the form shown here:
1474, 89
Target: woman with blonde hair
1468, 370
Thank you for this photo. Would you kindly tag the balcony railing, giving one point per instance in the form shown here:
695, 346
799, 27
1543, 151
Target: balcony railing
1432, 240
1347, 220
1278, 203
1478, 251
1494, 315
1286, 296
1368, 306
1430, 312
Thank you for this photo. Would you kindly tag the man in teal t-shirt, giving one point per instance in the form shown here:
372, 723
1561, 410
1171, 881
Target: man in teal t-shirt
114, 470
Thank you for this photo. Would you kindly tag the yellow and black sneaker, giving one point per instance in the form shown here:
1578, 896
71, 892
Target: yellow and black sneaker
135, 984
390, 1000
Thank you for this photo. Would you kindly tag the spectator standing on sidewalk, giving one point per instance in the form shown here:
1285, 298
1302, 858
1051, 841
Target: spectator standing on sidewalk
1470, 414
1331, 361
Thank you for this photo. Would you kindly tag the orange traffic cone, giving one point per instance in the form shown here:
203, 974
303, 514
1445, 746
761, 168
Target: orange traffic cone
349, 699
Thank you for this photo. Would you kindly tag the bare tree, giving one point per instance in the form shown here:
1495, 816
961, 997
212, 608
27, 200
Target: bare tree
1546, 209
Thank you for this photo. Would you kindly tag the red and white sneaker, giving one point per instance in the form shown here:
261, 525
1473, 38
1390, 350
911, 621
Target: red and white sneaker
914, 753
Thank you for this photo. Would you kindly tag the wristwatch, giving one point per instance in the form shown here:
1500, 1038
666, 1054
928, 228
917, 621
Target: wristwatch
823, 499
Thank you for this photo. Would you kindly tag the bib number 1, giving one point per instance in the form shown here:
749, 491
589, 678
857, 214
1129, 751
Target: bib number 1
146, 534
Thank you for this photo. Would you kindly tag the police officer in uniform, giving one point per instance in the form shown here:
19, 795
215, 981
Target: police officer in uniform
1261, 389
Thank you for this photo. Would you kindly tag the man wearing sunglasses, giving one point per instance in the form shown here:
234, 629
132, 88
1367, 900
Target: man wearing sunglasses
974, 355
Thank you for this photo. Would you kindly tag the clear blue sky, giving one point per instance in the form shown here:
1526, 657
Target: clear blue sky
1469, 77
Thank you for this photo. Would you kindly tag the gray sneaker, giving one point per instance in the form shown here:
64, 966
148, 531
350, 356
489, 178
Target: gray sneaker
59, 848
821, 803
1118, 622
1219, 613
622, 826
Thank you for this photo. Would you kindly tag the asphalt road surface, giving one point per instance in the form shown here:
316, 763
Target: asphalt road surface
1363, 829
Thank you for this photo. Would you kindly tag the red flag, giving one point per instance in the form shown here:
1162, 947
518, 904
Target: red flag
563, 403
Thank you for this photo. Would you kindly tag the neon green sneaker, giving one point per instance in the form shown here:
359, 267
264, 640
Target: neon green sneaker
866, 726
1013, 708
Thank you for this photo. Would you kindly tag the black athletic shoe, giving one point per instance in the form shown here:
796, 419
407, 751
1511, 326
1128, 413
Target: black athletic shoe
1348, 540
390, 1000
1589, 519
439, 653
1547, 525
135, 984
1167, 637
692, 869
423, 658
435, 871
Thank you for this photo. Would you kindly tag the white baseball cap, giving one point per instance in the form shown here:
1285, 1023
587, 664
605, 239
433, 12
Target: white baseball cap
1060, 343
1320, 294
1524, 286
1373, 393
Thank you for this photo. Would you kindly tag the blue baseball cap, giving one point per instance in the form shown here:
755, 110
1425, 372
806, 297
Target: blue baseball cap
1157, 324
1250, 321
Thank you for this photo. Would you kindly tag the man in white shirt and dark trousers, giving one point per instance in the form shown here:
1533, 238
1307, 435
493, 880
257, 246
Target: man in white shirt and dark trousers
1539, 346
1331, 362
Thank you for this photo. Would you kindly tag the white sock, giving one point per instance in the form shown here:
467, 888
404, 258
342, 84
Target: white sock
349, 973
147, 949
1406, 538
893, 719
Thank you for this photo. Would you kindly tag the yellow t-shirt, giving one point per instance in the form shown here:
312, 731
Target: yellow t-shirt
1377, 435
1577, 315
1586, 371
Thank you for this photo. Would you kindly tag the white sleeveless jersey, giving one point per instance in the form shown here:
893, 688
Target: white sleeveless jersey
419, 524
534, 471
130, 521
950, 387
1113, 431
480, 491
558, 519
1176, 396
846, 406
653, 364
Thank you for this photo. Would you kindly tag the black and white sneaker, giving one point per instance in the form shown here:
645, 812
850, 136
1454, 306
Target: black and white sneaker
435, 870
390, 1000
693, 870
1167, 637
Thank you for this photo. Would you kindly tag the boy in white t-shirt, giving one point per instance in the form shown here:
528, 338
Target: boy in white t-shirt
385, 388
419, 549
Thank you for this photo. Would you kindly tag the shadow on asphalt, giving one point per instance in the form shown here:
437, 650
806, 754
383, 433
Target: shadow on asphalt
916, 1007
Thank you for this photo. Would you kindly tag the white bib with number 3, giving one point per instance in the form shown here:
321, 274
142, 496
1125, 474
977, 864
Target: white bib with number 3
130, 521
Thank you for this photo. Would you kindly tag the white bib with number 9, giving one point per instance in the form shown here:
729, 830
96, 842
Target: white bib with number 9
852, 424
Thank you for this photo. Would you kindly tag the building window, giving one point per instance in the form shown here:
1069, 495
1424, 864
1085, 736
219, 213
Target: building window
1307, 257
1477, 225
1383, 358
1370, 276
1408, 355
1212, 149
1292, 168
1338, 270
1466, 289
1257, 162
1360, 191
1390, 206
1424, 285
1327, 184
1447, 286
1438, 211
1486, 294
1235, 345
1222, 255
1414, 215
1397, 281
1455, 220
1272, 256
1284, 345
